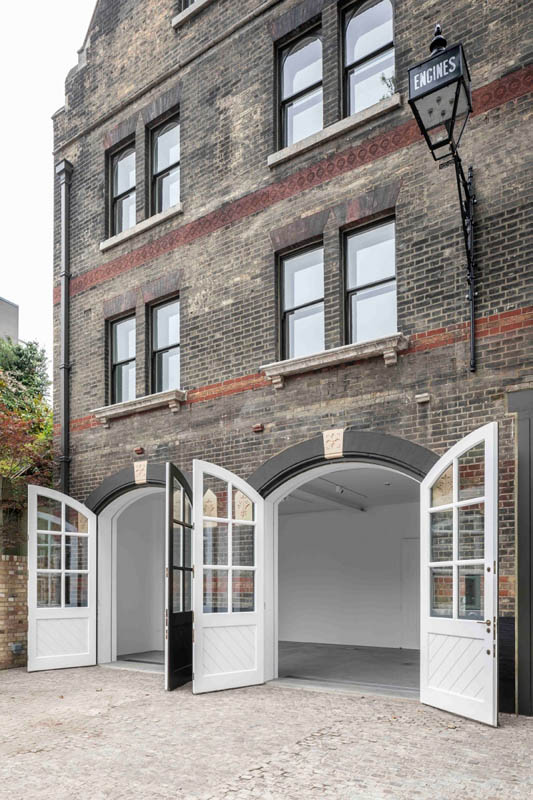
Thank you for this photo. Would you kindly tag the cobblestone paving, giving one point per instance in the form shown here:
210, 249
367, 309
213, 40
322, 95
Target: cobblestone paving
99, 733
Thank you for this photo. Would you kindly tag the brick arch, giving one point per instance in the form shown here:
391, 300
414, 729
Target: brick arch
124, 481
369, 447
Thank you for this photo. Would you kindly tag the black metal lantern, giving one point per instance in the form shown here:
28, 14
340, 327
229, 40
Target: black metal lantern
441, 101
439, 95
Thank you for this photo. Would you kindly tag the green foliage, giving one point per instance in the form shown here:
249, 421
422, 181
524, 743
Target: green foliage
25, 382
26, 434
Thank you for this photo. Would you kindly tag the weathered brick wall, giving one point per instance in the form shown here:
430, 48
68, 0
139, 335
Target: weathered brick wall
221, 257
13, 611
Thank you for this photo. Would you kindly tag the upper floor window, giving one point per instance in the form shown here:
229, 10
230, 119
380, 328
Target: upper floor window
123, 214
371, 283
368, 55
123, 360
301, 89
187, 4
166, 346
166, 166
302, 303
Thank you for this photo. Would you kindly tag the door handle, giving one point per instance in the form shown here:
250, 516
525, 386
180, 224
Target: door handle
483, 622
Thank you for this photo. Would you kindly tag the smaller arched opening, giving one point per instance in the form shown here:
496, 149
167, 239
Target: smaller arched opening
131, 568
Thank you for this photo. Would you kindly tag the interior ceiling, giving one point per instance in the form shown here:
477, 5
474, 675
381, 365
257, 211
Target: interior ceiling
353, 488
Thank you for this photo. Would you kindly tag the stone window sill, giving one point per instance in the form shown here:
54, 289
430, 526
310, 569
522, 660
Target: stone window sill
171, 399
181, 18
337, 129
145, 225
388, 347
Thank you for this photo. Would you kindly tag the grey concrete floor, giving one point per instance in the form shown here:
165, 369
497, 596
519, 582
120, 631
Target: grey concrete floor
148, 657
103, 734
383, 670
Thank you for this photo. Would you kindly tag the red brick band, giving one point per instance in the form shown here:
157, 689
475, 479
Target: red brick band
495, 325
494, 94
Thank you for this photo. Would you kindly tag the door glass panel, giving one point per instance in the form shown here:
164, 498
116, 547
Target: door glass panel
48, 590
76, 590
242, 590
243, 508
177, 495
442, 535
76, 552
48, 514
187, 550
215, 497
242, 545
177, 546
441, 592
442, 489
215, 543
472, 531
215, 591
75, 521
472, 473
187, 511
48, 551
177, 577
187, 600
471, 592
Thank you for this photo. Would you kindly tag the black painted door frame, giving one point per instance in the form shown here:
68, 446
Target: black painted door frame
178, 575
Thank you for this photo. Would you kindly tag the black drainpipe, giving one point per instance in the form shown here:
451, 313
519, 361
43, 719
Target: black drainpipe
64, 173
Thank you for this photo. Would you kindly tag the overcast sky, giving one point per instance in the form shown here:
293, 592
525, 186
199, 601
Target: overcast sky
38, 45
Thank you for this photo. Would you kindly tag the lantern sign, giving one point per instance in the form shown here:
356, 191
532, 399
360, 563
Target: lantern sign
439, 95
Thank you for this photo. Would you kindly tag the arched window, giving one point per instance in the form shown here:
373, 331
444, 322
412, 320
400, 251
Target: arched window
166, 166
123, 195
301, 89
368, 55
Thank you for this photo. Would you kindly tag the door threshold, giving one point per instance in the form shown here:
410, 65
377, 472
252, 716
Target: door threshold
346, 687
135, 666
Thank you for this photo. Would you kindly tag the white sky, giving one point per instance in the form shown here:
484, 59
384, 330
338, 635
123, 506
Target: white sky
38, 46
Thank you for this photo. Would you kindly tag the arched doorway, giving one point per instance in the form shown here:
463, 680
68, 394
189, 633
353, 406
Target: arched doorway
344, 578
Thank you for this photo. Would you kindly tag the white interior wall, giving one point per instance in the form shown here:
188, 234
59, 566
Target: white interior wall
340, 577
140, 576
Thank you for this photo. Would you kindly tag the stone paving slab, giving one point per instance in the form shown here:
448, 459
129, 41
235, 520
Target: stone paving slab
95, 734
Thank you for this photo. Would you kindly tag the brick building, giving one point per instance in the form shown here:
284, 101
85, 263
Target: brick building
266, 271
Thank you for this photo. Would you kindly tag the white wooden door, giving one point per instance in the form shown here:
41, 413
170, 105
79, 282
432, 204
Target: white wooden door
228, 599
61, 581
459, 584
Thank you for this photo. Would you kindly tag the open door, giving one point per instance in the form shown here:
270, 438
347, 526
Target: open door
178, 580
61, 581
228, 585
459, 584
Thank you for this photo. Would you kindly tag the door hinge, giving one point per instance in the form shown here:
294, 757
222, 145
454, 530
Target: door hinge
494, 651
193, 636
192, 612
166, 572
